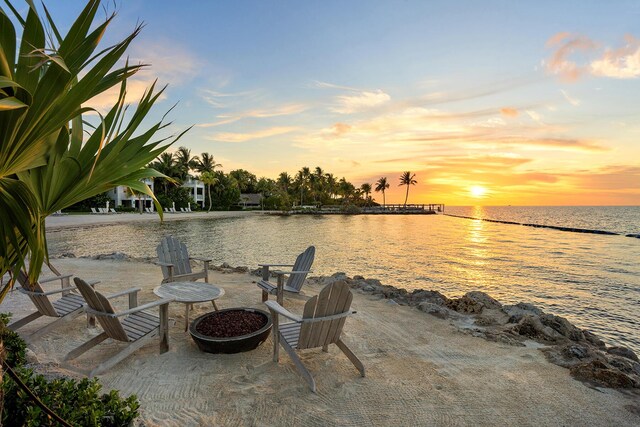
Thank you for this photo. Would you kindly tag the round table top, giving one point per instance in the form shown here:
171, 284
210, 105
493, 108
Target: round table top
189, 292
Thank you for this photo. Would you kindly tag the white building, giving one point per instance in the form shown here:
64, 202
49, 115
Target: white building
197, 190
122, 197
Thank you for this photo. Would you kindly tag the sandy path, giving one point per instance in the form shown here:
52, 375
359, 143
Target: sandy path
63, 221
420, 370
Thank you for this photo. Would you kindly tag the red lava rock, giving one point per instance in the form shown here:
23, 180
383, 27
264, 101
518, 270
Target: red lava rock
231, 324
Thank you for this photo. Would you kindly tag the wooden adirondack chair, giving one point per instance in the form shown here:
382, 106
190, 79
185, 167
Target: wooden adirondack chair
69, 306
294, 283
320, 325
136, 328
174, 260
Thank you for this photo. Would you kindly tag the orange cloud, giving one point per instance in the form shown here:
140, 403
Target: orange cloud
509, 112
566, 44
242, 137
622, 63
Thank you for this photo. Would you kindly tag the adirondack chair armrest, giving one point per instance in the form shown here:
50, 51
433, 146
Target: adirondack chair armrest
143, 307
277, 308
292, 272
163, 264
46, 294
54, 278
200, 259
125, 292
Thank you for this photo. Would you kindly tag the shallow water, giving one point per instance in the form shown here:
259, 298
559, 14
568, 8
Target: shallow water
593, 280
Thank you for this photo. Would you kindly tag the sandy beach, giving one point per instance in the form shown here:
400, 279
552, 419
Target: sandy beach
420, 369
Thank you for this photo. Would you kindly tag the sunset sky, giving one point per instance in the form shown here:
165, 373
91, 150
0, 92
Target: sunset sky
488, 102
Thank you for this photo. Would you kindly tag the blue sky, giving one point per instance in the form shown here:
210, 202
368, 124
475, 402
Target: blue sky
533, 102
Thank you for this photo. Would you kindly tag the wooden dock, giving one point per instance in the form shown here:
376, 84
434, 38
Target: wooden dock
393, 209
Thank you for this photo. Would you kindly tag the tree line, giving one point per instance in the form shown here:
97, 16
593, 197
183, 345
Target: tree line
308, 187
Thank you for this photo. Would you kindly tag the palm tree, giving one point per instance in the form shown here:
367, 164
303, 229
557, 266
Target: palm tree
366, 189
209, 179
206, 163
185, 162
382, 185
166, 165
47, 163
407, 179
284, 181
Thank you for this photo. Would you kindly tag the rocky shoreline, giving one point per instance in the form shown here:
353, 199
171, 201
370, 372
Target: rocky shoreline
586, 355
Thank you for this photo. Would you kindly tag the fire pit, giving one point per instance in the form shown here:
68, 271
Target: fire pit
232, 330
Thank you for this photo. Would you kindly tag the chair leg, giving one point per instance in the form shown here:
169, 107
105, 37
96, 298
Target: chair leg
265, 296
296, 361
47, 328
132, 347
352, 357
86, 346
20, 323
275, 328
325, 348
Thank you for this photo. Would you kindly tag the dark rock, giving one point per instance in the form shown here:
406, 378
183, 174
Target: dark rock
623, 352
593, 339
357, 277
465, 305
373, 282
67, 255
483, 298
434, 297
532, 327
601, 374
485, 321
518, 311
625, 365
120, 256
562, 326
225, 265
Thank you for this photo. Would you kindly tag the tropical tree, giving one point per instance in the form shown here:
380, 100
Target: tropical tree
209, 179
206, 163
382, 185
366, 189
185, 162
284, 181
407, 179
166, 165
246, 180
47, 163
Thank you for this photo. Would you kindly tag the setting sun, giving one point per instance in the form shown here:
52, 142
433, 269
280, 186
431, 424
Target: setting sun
477, 191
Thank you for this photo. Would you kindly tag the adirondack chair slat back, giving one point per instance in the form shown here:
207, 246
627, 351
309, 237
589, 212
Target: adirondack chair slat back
41, 302
303, 263
333, 299
172, 251
111, 325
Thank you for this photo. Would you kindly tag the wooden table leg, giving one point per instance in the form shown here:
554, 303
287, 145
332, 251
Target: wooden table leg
215, 307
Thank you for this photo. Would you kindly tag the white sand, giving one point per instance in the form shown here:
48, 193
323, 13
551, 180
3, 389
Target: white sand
420, 370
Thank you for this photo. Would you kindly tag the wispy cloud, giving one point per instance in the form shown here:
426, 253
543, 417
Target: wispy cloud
357, 100
242, 137
349, 104
576, 55
509, 112
226, 99
571, 100
284, 110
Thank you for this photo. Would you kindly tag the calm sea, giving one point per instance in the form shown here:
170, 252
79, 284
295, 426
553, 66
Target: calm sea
593, 280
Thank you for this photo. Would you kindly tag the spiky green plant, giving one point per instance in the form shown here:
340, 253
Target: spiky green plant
47, 162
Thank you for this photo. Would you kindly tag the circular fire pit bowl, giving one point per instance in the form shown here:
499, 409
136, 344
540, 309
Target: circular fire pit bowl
231, 330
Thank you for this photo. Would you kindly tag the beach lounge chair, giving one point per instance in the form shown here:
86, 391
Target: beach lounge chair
136, 328
113, 211
294, 283
69, 306
174, 260
94, 211
166, 210
321, 324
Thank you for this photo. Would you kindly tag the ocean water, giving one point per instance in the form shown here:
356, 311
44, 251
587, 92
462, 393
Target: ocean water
593, 280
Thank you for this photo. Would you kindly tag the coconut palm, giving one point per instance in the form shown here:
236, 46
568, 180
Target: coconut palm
47, 163
206, 163
382, 185
407, 179
366, 189
284, 181
209, 179
185, 162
